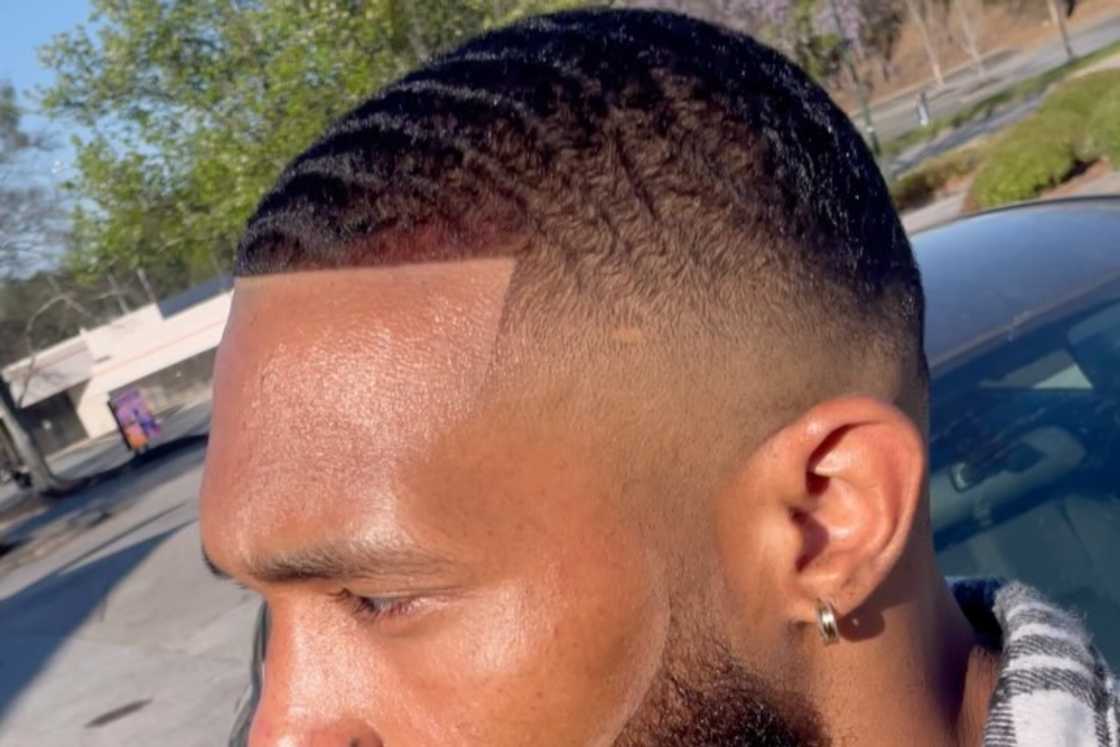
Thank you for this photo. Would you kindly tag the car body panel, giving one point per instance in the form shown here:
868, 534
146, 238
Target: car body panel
990, 275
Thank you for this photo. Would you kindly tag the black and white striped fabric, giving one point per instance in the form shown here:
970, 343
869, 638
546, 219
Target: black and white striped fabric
1054, 688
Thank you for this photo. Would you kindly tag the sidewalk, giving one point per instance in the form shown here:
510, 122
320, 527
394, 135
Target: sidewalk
114, 633
949, 208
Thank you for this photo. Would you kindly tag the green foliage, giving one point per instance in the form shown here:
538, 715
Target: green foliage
817, 53
1075, 102
1038, 153
196, 105
921, 185
1081, 95
1073, 127
1104, 129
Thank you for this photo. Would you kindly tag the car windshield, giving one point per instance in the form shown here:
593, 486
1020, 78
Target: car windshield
1025, 464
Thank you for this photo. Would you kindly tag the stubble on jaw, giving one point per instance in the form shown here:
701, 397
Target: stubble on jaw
704, 697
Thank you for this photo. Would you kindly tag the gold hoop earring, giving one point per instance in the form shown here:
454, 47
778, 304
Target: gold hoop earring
827, 623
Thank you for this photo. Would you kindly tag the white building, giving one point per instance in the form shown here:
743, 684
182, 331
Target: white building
166, 350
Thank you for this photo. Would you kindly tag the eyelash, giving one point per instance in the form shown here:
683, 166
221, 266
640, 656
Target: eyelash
375, 609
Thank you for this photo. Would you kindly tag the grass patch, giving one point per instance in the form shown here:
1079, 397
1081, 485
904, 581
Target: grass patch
1029, 160
1104, 130
921, 185
1076, 125
988, 105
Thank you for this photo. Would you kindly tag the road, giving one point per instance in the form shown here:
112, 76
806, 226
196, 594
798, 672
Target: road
897, 116
111, 630
105, 452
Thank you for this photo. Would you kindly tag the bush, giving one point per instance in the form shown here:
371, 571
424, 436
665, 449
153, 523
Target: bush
1038, 153
1080, 96
1103, 137
1078, 123
921, 185
1102, 127
914, 189
1076, 103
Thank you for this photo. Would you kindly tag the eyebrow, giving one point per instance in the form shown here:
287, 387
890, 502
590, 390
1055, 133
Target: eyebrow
339, 560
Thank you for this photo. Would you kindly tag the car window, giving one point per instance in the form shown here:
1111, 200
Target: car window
1054, 370
1025, 465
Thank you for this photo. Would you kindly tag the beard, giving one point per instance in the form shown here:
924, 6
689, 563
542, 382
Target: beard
709, 699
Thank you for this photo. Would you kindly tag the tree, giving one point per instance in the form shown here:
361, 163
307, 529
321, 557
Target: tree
29, 216
805, 30
968, 26
880, 31
27, 221
195, 106
927, 42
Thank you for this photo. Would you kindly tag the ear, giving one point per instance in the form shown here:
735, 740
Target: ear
850, 474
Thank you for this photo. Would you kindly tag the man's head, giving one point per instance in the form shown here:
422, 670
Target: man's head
564, 378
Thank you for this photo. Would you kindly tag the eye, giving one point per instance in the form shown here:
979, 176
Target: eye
375, 609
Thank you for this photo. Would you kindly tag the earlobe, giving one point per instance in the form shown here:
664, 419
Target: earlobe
851, 472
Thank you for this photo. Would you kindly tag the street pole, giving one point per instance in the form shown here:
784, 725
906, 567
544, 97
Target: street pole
42, 478
1060, 22
860, 94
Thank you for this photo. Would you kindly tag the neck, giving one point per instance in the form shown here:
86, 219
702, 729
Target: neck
918, 675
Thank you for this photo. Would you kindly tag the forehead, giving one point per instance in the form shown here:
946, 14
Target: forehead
326, 381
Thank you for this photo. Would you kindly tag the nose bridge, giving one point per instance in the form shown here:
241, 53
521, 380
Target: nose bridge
301, 703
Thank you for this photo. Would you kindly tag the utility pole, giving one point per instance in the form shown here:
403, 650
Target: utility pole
1060, 21
42, 478
860, 93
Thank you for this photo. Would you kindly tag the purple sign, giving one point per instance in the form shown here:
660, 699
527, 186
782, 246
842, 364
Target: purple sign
137, 423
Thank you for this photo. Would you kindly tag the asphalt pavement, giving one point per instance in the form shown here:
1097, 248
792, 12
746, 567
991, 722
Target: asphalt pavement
112, 632
106, 452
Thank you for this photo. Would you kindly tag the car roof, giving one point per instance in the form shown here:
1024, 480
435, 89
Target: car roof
987, 275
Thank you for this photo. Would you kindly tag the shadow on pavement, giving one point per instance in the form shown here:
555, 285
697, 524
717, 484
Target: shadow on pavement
151, 455
37, 621
103, 494
133, 529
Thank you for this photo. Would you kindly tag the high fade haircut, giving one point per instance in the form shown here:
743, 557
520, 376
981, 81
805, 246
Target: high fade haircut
643, 168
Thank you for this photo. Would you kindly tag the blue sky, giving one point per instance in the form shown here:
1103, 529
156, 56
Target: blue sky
24, 26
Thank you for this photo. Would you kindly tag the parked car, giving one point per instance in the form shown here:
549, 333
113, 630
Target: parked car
1023, 339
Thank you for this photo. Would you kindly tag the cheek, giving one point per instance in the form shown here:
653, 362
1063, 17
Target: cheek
749, 592
560, 660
